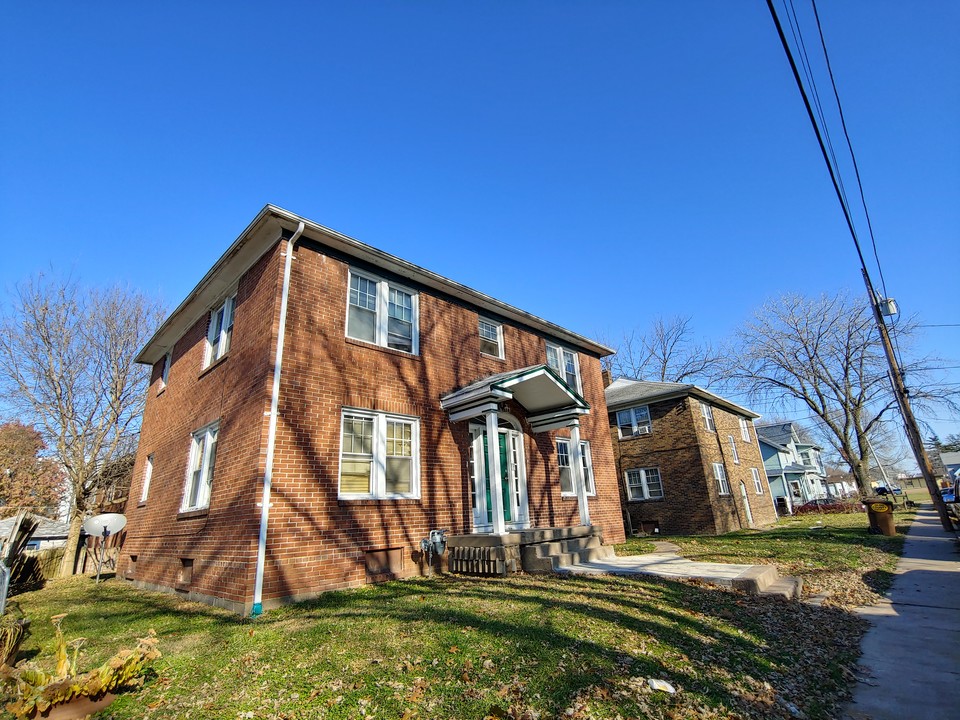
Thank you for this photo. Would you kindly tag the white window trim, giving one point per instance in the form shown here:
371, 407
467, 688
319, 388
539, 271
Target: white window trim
745, 429
378, 466
707, 412
225, 337
644, 487
720, 475
165, 369
499, 327
639, 428
147, 476
733, 448
560, 349
382, 315
757, 484
200, 440
587, 459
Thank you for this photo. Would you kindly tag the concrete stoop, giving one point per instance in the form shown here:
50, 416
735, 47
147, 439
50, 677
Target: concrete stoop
550, 557
534, 550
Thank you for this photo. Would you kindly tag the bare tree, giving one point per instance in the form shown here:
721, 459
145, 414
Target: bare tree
28, 480
667, 352
825, 352
67, 366
950, 444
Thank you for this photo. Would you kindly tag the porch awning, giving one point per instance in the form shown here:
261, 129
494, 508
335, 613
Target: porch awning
548, 400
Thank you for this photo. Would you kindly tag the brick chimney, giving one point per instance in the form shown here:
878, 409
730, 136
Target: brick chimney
605, 374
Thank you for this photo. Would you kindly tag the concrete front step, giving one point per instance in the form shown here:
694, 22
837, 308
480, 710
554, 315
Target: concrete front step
556, 547
756, 578
788, 588
551, 557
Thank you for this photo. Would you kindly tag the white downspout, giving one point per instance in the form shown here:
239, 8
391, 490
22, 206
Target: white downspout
272, 432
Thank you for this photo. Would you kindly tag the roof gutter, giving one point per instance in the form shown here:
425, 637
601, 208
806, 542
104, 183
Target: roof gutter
272, 432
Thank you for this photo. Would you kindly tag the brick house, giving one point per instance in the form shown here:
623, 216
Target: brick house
688, 460
313, 414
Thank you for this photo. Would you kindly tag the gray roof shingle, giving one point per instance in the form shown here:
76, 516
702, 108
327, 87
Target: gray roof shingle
623, 393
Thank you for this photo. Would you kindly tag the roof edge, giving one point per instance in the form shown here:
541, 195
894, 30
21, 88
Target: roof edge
240, 256
686, 389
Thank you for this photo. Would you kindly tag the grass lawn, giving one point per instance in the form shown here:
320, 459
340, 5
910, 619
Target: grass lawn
833, 553
526, 647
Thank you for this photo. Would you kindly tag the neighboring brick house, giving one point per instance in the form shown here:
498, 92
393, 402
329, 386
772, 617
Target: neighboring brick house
794, 468
688, 460
312, 416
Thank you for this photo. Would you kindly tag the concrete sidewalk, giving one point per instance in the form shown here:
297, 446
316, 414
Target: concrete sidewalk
666, 562
910, 666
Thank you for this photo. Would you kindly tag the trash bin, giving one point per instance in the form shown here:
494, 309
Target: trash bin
880, 514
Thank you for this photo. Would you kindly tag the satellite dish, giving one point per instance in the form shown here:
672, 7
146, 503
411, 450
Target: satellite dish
105, 525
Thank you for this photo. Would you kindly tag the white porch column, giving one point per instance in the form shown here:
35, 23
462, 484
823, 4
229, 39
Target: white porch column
576, 467
495, 478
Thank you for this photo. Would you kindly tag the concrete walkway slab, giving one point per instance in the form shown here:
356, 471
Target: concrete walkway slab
910, 662
750, 578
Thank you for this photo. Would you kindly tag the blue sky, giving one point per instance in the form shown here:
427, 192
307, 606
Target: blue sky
597, 164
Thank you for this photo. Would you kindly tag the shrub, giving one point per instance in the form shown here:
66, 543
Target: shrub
838, 507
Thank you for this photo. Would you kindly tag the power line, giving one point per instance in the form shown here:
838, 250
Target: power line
834, 172
856, 170
846, 135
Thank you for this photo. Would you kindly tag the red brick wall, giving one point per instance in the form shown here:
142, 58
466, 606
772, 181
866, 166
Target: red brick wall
222, 540
684, 451
317, 542
729, 510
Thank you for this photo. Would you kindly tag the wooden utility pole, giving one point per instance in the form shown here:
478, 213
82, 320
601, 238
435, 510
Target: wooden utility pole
899, 390
903, 400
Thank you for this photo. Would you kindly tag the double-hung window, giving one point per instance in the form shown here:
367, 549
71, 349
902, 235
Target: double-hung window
491, 338
733, 450
757, 485
707, 413
203, 456
566, 476
147, 475
220, 331
644, 484
564, 363
379, 456
745, 429
381, 312
721, 477
634, 421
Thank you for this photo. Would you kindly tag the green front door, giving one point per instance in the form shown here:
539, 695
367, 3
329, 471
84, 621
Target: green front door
504, 477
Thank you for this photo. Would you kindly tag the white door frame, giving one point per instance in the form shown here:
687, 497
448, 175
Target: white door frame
516, 471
